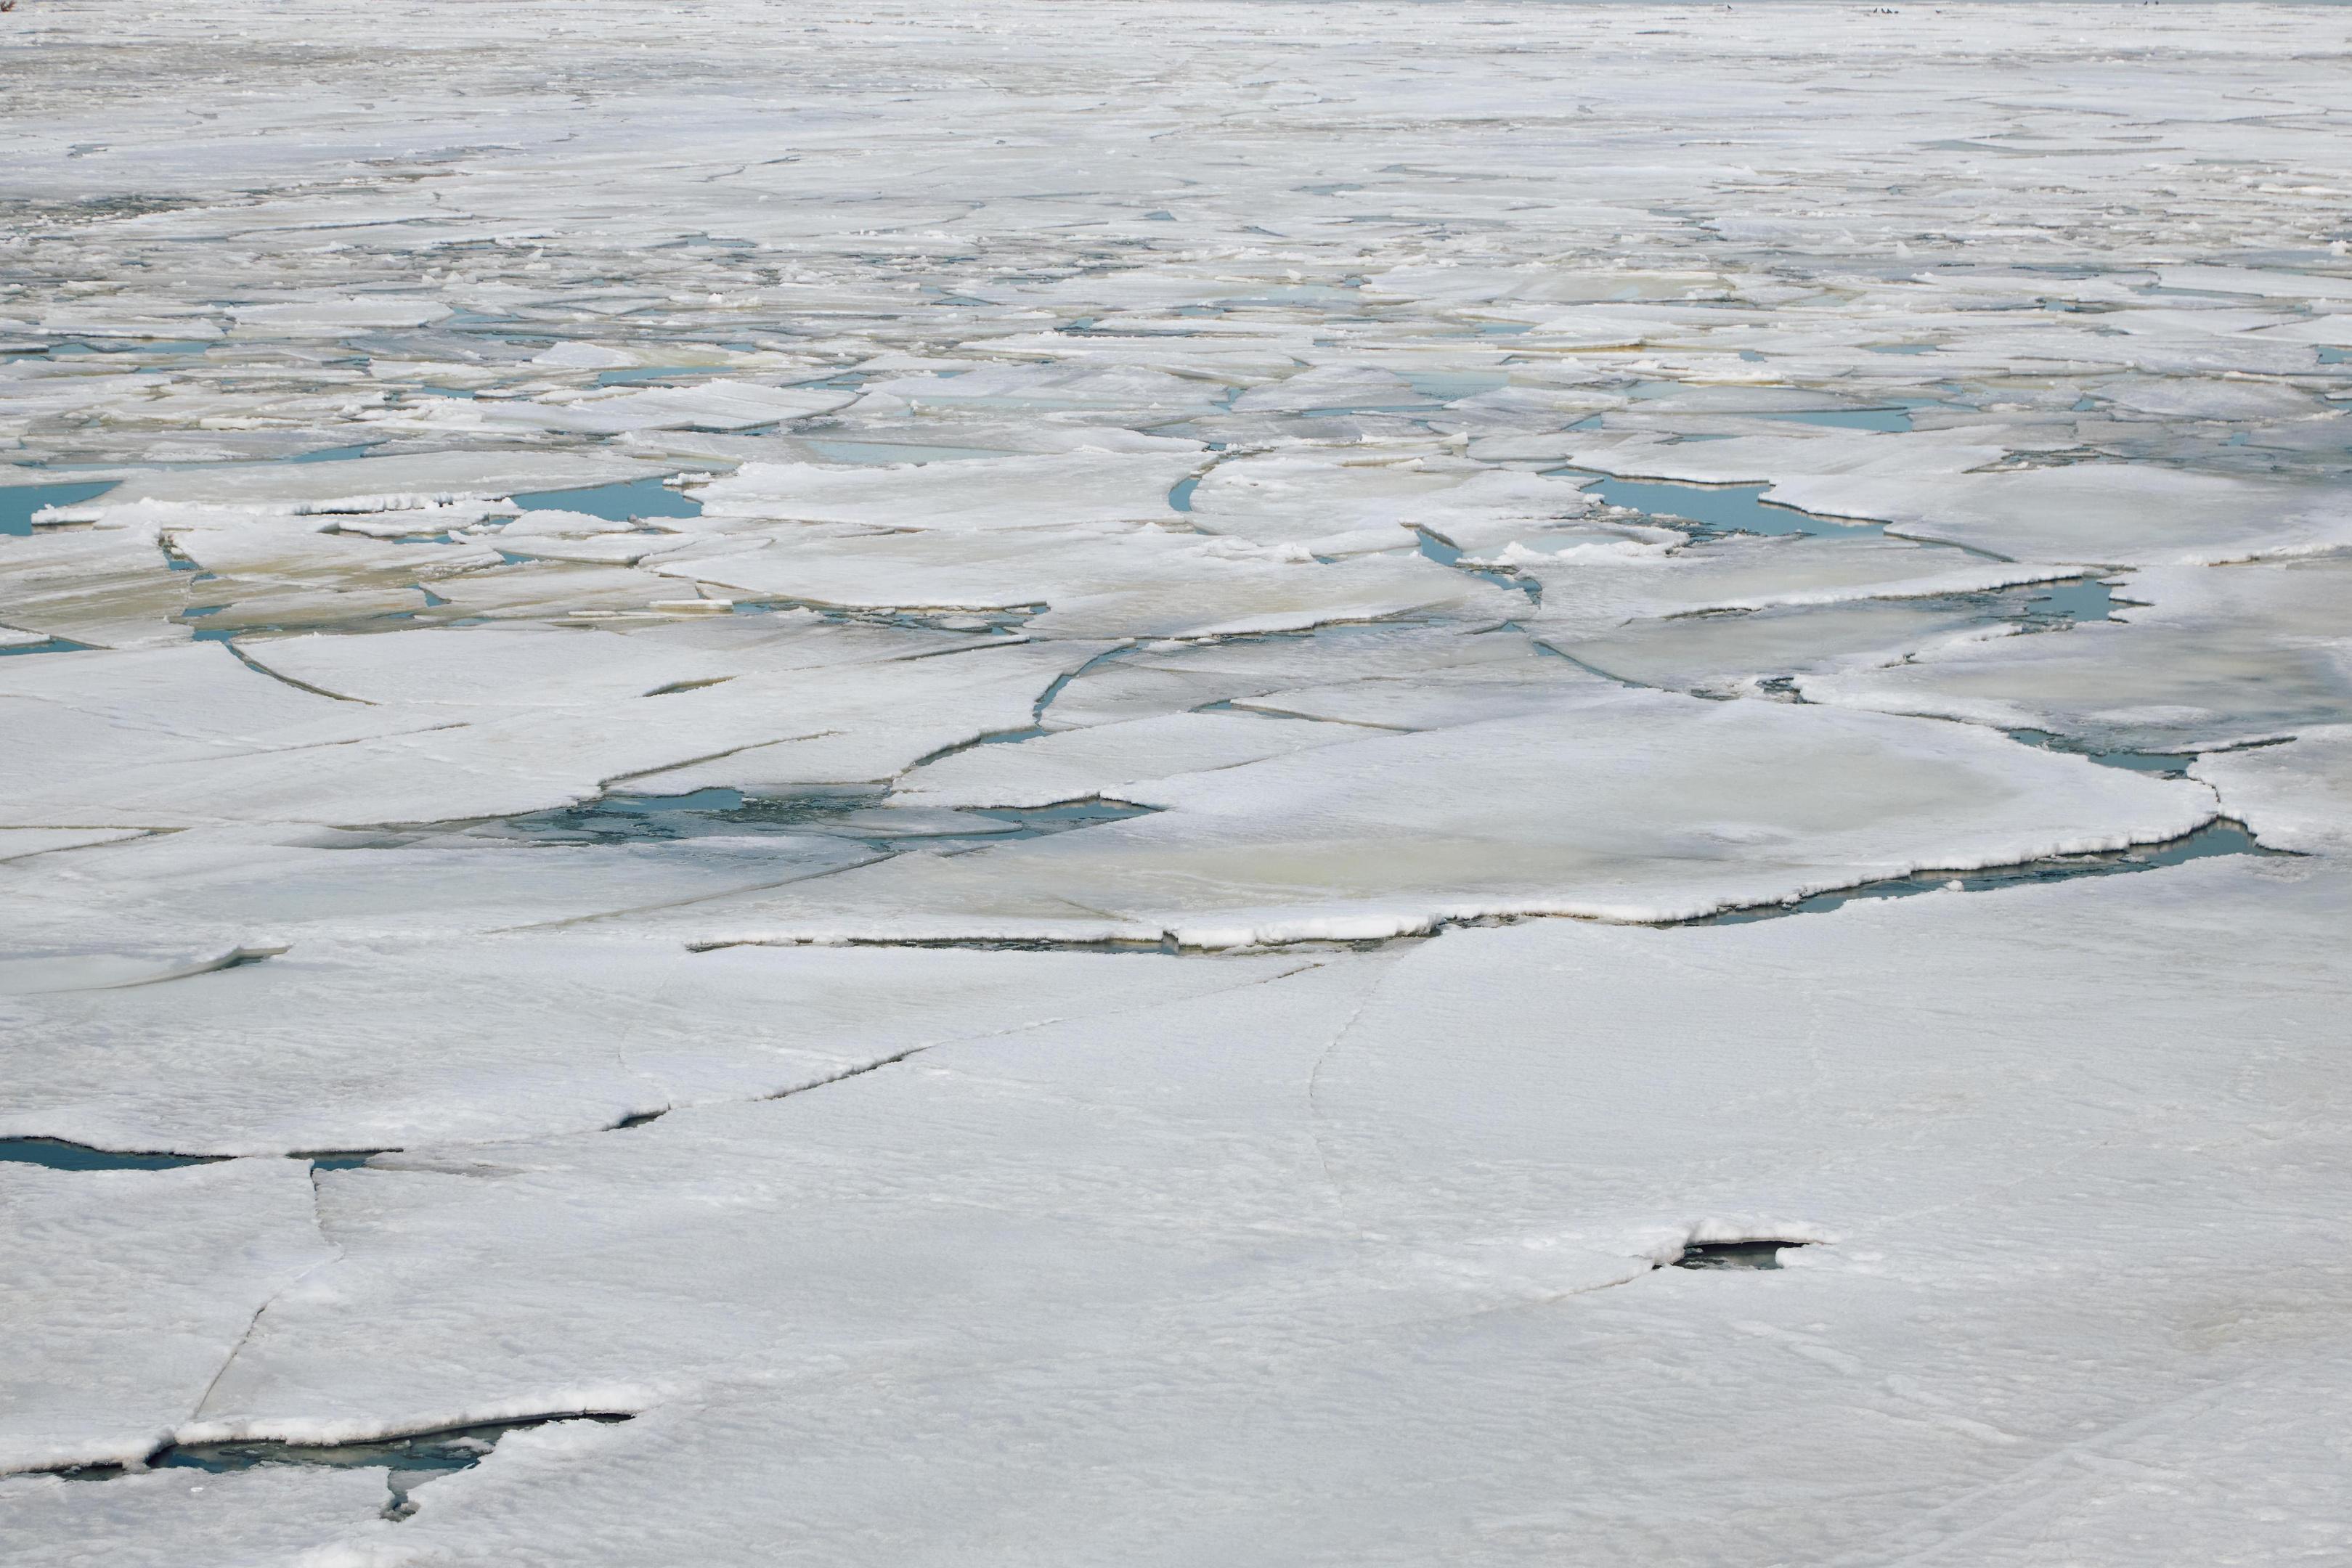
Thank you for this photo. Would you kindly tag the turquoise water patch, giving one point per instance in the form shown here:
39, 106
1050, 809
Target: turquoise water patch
2163, 764
1730, 508
19, 502
53, 1154
861, 814
617, 503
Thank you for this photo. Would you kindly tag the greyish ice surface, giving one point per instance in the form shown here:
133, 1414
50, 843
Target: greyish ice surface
1025, 783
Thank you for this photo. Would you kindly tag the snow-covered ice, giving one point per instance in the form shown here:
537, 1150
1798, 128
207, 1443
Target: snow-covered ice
1063, 783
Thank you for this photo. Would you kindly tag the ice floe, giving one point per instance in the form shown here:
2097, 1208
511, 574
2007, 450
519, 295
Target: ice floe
1102, 783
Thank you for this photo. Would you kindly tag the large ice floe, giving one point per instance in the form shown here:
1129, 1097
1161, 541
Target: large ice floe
1213, 783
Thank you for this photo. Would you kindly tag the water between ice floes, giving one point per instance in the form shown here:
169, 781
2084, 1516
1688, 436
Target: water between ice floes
19, 502
1725, 508
618, 503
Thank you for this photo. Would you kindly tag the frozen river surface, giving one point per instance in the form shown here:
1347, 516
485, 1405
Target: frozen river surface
1060, 784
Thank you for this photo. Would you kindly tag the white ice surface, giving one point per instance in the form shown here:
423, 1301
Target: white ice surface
1078, 488
1030, 403
1421, 1195
188, 1518
1604, 804
128, 1291
2208, 656
345, 1044
1097, 582
2294, 795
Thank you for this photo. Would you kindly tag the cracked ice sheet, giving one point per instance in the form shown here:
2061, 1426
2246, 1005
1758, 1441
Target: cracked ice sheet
255, 886
1064, 1283
1728, 654
1608, 804
1078, 489
191, 737
1591, 588
1108, 760
126, 1293
375, 483
355, 1044
2296, 795
1349, 505
1930, 486
2214, 655
1097, 582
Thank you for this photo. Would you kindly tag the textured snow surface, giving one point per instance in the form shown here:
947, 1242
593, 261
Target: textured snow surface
1068, 780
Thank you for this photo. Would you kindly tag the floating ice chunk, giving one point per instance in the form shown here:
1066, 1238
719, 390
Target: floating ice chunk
1590, 588
1171, 679
1336, 504
2111, 513
559, 525
2276, 284
981, 495
548, 589
420, 763
863, 723
1042, 386
245, 549
1101, 761
113, 971
97, 587
1330, 1190
83, 719
1724, 654
128, 1291
2220, 655
380, 484
2179, 397
709, 405
339, 318
574, 355
345, 1045
1436, 699
1332, 386
2293, 796
493, 668
1614, 805
1091, 584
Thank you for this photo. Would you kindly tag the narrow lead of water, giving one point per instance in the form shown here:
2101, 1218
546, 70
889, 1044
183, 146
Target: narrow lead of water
51, 1154
2220, 837
2164, 764
1734, 1254
407, 1462
861, 815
